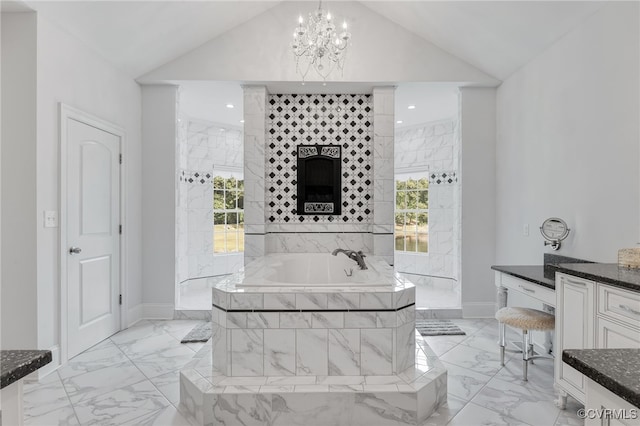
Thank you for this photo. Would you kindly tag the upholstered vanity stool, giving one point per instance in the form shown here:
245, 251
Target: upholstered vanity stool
525, 319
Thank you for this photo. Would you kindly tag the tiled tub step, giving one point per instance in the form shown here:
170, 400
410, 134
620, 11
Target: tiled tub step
408, 398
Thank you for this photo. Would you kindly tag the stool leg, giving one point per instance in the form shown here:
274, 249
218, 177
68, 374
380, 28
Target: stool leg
501, 339
525, 354
530, 350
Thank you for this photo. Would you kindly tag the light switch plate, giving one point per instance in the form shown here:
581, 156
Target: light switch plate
50, 219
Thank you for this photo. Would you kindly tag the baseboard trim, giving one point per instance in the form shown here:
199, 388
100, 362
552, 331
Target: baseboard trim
438, 313
134, 315
156, 310
53, 365
478, 310
202, 315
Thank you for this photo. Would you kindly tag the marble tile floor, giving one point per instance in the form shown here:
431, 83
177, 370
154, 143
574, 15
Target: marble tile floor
132, 378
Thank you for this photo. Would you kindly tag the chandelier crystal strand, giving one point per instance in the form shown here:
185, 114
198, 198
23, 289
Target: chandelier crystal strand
318, 45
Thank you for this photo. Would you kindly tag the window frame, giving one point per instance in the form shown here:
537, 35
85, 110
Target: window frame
237, 210
405, 176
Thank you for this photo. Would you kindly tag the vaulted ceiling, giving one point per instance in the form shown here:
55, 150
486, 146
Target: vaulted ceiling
138, 36
141, 37
496, 37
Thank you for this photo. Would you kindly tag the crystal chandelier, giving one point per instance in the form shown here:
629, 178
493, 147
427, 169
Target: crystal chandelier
316, 44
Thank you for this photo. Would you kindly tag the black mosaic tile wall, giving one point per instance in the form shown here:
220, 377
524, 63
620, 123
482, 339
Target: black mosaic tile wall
346, 120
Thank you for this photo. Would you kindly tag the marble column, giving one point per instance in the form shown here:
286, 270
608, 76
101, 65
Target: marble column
255, 103
383, 183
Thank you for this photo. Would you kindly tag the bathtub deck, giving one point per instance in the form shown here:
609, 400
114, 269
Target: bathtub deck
408, 398
302, 331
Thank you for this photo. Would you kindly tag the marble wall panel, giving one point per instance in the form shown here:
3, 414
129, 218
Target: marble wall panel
295, 320
280, 352
383, 166
255, 101
318, 242
344, 352
432, 396
376, 347
311, 356
307, 409
191, 394
377, 300
327, 319
405, 346
220, 349
246, 409
369, 408
247, 351
312, 301
279, 301
343, 301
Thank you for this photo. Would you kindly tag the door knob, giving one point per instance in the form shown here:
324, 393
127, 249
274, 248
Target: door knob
75, 250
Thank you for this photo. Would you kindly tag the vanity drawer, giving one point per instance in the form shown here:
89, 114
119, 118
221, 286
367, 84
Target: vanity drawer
619, 304
611, 335
544, 294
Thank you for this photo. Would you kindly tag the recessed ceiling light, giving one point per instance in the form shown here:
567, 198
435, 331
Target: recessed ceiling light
411, 107
399, 122
230, 106
242, 121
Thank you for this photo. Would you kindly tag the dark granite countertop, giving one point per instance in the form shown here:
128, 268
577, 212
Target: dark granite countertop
15, 364
617, 370
545, 274
606, 273
537, 274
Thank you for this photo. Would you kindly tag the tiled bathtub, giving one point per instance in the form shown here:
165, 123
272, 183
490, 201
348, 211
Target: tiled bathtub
313, 330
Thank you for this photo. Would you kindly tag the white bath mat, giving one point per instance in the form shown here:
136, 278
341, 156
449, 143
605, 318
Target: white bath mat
436, 327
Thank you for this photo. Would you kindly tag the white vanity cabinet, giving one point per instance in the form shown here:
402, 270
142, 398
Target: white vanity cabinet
615, 411
591, 315
575, 314
618, 318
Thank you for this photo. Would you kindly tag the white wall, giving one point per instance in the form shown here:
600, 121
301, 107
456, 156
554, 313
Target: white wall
61, 69
159, 127
19, 278
258, 50
568, 137
70, 72
478, 187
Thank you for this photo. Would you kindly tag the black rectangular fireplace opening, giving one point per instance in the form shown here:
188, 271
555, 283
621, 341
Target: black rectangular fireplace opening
319, 179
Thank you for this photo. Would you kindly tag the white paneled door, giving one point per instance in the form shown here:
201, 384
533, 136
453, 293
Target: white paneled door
92, 235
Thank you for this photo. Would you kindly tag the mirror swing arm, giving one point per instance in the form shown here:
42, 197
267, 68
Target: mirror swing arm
554, 230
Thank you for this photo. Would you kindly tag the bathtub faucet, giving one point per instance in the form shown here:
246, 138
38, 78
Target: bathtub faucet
356, 256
